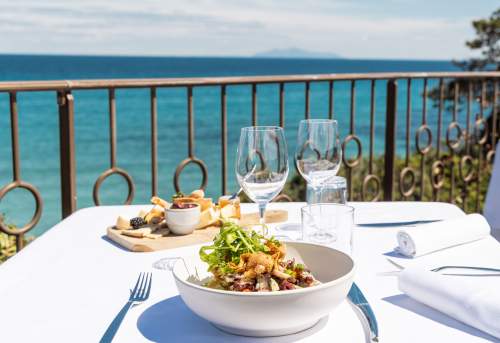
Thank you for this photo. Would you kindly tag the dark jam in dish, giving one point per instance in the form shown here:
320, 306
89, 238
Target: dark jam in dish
182, 206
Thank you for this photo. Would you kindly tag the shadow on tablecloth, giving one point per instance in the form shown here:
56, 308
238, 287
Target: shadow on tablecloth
170, 320
404, 301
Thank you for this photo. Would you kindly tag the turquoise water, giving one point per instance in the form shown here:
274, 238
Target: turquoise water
38, 120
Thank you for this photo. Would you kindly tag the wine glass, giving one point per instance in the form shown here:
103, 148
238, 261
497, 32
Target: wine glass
262, 164
318, 154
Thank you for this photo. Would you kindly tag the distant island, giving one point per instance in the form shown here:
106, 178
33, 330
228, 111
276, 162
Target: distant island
295, 53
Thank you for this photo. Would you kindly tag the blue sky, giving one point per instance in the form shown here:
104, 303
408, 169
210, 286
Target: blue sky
408, 29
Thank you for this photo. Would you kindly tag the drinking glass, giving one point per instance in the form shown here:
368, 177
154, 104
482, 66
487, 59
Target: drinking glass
318, 154
262, 164
329, 224
333, 191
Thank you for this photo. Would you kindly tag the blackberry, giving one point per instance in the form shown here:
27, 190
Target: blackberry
137, 222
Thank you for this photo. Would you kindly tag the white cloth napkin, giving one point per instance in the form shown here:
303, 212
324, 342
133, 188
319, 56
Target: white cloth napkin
472, 300
427, 238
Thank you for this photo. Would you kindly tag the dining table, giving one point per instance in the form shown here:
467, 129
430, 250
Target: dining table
70, 283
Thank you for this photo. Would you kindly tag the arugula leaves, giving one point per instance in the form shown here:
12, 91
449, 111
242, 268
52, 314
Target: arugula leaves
229, 244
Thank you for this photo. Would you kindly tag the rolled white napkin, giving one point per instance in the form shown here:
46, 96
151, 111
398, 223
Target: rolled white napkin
427, 238
472, 300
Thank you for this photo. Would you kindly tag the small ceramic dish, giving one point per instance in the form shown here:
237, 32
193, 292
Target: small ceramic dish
269, 313
183, 221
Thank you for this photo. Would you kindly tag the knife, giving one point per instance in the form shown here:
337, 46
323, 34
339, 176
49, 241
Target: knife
364, 312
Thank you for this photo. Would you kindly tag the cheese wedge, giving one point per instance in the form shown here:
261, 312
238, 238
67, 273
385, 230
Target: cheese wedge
229, 211
205, 203
225, 201
122, 223
208, 217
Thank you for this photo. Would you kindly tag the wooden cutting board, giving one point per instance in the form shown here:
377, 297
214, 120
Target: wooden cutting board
197, 237
162, 243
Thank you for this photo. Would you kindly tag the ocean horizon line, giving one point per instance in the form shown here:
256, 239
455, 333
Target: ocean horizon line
219, 57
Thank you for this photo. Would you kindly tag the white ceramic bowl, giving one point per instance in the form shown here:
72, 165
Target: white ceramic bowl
183, 221
271, 313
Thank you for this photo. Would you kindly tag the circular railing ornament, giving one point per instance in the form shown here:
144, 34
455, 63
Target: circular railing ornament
38, 207
351, 163
418, 135
181, 167
375, 180
454, 144
481, 131
466, 161
403, 176
437, 174
107, 173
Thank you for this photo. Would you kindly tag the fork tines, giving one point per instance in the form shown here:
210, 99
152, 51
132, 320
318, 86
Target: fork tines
142, 287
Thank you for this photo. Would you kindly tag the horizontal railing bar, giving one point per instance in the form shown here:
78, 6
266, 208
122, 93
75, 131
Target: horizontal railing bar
67, 85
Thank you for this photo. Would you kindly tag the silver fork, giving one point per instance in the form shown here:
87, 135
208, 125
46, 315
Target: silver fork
493, 271
139, 294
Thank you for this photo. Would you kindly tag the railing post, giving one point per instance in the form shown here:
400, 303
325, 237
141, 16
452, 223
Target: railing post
390, 138
67, 152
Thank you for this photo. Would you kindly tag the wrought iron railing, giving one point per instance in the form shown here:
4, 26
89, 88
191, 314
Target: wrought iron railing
473, 145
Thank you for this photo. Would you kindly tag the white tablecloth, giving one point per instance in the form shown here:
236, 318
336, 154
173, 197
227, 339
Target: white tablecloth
70, 283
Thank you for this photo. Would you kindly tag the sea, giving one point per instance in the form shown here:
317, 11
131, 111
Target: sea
39, 136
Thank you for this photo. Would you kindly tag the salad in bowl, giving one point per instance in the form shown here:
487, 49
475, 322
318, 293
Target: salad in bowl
245, 261
284, 287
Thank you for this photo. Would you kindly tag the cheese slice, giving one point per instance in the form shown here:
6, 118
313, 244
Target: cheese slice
229, 211
205, 203
208, 217
139, 233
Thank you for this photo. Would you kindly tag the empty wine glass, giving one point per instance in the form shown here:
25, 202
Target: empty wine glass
318, 154
262, 164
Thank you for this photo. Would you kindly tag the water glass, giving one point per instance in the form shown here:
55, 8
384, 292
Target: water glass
333, 191
328, 224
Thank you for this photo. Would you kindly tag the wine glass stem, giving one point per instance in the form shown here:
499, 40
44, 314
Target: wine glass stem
262, 211
262, 222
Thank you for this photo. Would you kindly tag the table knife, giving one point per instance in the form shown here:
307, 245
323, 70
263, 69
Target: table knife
364, 312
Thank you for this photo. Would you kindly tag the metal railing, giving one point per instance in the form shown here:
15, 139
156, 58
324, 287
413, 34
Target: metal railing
409, 182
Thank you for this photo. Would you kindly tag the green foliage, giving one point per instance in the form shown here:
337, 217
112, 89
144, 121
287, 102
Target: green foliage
8, 243
487, 42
